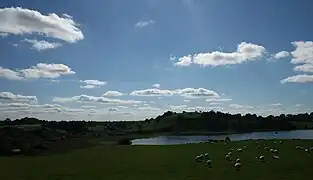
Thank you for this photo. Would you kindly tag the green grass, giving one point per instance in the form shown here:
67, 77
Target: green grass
174, 162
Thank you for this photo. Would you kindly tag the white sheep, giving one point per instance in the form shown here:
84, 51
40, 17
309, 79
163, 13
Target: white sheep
280, 142
244, 147
258, 147
275, 157
299, 147
275, 151
198, 158
271, 150
209, 163
227, 157
261, 158
238, 166
229, 153
206, 155
239, 150
266, 148
237, 160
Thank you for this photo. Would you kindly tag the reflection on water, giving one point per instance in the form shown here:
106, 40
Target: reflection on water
163, 140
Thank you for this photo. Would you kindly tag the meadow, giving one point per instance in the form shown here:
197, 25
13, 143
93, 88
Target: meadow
170, 162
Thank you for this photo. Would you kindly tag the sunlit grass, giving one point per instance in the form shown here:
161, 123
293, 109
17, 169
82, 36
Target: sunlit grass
165, 162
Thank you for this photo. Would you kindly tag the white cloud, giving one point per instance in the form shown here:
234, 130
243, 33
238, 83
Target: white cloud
281, 54
156, 85
239, 106
186, 100
298, 105
276, 104
19, 21
303, 78
245, 52
216, 103
10, 74
218, 100
42, 70
90, 84
93, 99
3, 34
42, 45
304, 68
113, 93
10, 97
152, 92
186, 92
144, 23
303, 54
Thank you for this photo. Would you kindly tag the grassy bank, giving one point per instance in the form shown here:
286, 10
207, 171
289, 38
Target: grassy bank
164, 162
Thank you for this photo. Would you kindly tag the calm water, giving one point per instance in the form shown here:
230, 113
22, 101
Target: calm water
163, 140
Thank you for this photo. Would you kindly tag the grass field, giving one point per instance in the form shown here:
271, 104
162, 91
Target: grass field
174, 162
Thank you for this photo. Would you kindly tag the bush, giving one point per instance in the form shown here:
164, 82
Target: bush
124, 141
227, 139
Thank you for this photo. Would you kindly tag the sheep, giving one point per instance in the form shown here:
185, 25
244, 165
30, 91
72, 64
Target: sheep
261, 158
306, 150
275, 151
245, 147
206, 155
227, 157
271, 150
209, 163
198, 158
229, 153
280, 142
238, 166
299, 147
239, 150
237, 160
275, 157
266, 148
258, 147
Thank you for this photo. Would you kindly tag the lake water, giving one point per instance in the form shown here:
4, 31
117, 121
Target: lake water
166, 140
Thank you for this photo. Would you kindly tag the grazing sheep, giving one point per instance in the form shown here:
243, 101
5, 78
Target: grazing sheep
198, 158
239, 150
237, 160
266, 148
206, 155
299, 147
280, 142
311, 148
245, 147
275, 157
271, 150
275, 142
238, 166
227, 157
261, 158
258, 147
209, 163
306, 150
229, 153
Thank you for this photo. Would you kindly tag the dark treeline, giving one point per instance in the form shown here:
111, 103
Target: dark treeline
30, 135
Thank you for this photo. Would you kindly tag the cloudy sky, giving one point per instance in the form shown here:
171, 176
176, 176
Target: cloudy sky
129, 60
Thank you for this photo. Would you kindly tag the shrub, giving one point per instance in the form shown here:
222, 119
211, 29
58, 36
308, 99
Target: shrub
227, 139
124, 141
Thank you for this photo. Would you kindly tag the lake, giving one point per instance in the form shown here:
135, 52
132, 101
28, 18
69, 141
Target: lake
167, 140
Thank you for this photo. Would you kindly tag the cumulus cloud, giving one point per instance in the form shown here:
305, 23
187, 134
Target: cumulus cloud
113, 93
303, 78
218, 99
10, 74
239, 106
186, 92
90, 84
10, 97
304, 68
144, 23
93, 99
19, 21
281, 54
245, 52
41, 70
156, 85
42, 45
303, 54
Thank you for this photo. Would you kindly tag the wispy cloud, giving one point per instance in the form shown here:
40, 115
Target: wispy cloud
144, 23
42, 45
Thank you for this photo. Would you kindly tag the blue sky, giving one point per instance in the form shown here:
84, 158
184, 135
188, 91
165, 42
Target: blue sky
129, 60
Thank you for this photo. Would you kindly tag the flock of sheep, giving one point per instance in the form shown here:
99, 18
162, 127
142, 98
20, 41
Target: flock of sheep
204, 157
